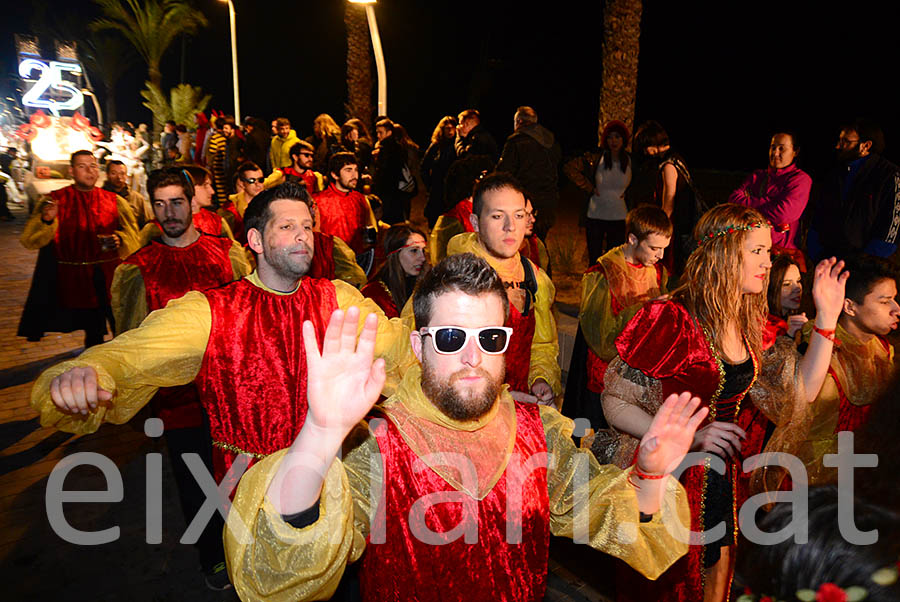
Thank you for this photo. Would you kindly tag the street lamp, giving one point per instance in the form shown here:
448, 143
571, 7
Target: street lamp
379, 54
237, 102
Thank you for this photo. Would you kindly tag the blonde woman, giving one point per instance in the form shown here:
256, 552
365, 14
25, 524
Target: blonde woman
707, 338
327, 140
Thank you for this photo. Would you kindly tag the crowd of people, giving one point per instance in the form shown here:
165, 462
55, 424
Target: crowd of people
376, 395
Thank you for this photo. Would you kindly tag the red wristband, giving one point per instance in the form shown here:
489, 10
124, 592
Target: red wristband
827, 333
644, 475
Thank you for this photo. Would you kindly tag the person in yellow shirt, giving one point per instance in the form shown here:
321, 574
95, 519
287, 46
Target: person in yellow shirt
500, 222
241, 344
452, 433
82, 232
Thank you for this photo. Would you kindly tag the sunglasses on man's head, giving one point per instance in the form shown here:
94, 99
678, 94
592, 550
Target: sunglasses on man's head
492, 340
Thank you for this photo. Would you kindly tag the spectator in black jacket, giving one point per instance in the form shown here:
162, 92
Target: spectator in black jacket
858, 209
256, 140
234, 151
435, 165
532, 155
390, 180
471, 138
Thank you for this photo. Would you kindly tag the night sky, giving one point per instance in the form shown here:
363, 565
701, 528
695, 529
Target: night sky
721, 77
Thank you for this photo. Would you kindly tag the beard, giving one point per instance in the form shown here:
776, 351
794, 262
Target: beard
846, 156
462, 406
285, 264
174, 228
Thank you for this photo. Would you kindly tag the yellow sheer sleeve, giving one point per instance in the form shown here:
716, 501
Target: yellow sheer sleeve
444, 229
37, 234
545, 344
345, 266
612, 524
128, 228
226, 229
165, 351
240, 267
129, 298
391, 341
277, 562
543, 255
598, 324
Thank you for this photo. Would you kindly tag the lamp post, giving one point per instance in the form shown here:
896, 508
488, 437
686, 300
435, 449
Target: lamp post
237, 102
379, 54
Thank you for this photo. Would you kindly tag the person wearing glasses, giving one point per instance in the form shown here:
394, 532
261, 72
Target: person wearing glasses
449, 489
183, 259
500, 221
858, 208
301, 168
241, 344
82, 232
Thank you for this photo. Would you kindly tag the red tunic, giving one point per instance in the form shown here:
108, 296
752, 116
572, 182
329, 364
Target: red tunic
169, 273
82, 217
665, 342
403, 567
343, 214
377, 291
228, 211
208, 222
461, 212
307, 176
774, 328
518, 354
253, 378
322, 265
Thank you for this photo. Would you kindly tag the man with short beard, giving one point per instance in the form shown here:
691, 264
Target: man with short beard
344, 212
451, 491
117, 183
500, 221
858, 209
181, 260
242, 344
82, 232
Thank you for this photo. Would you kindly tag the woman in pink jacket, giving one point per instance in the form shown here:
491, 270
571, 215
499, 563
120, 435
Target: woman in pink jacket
780, 193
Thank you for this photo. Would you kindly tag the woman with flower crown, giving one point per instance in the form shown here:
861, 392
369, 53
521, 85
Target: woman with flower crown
707, 338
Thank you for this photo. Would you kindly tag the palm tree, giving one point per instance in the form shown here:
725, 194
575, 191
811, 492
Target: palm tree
106, 58
621, 44
359, 65
150, 25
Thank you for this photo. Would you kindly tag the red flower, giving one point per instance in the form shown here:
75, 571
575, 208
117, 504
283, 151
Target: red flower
731, 229
829, 592
767, 599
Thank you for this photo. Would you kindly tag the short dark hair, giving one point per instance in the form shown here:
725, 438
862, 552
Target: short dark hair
386, 124
651, 133
470, 114
181, 128
338, 161
644, 220
170, 122
79, 153
465, 273
492, 183
111, 163
868, 131
865, 272
258, 214
170, 176
299, 146
282, 121
247, 166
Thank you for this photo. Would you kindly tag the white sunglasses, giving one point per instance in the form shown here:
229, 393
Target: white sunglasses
446, 340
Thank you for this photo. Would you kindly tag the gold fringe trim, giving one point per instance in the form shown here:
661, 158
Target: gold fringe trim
237, 450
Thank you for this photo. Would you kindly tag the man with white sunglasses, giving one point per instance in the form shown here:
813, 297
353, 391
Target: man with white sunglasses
454, 488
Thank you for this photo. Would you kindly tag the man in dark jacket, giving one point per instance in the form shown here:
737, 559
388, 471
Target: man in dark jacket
858, 209
532, 155
391, 174
472, 139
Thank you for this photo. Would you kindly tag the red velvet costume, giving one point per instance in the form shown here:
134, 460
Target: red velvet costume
168, 273
378, 291
461, 212
343, 214
405, 568
664, 342
208, 222
307, 176
518, 354
253, 378
82, 217
322, 265
229, 212
774, 328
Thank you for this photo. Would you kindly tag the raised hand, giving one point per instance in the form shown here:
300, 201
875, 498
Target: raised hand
343, 381
828, 291
76, 391
670, 434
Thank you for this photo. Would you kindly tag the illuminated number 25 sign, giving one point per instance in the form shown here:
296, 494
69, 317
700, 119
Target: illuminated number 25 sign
50, 80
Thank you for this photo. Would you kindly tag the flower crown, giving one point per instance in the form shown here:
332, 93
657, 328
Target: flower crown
731, 229
829, 592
